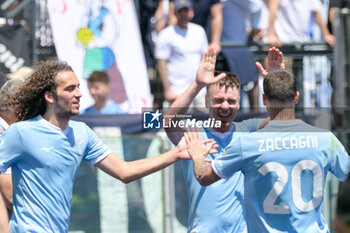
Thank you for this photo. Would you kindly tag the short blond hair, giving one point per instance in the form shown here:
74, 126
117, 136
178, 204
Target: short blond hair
231, 80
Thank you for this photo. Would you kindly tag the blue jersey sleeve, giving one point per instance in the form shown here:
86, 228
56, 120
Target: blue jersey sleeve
96, 149
340, 160
230, 161
10, 148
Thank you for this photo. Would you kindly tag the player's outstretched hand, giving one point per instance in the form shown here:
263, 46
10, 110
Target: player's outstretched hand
182, 148
196, 147
274, 61
205, 72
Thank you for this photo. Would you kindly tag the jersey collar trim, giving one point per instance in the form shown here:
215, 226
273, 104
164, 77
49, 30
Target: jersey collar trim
51, 126
3, 123
220, 135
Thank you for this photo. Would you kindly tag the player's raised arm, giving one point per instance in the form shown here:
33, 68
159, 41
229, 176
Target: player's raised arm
205, 76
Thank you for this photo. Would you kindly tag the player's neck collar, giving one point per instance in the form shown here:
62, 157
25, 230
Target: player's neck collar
219, 134
285, 123
52, 126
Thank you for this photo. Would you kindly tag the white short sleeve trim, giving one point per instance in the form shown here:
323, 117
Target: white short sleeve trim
4, 124
217, 171
8, 171
100, 158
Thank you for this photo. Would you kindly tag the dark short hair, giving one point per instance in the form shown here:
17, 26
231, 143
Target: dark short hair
98, 76
230, 80
280, 85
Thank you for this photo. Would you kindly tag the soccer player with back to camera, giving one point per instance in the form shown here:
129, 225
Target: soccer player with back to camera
285, 164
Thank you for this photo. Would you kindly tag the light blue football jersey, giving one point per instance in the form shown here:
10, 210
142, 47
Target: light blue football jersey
218, 208
45, 161
285, 165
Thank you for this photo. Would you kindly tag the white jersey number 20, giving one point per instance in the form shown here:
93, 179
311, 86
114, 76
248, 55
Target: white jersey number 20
282, 178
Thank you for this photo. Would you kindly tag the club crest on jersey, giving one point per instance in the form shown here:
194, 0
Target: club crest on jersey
79, 143
47, 149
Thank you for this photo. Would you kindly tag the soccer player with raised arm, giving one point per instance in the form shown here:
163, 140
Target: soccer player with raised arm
218, 208
46, 149
285, 164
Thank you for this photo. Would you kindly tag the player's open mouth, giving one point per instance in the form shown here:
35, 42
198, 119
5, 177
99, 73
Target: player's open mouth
224, 114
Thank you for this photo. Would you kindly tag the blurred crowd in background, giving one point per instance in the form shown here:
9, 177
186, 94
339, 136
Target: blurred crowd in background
230, 26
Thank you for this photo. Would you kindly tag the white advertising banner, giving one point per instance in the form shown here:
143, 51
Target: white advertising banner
103, 35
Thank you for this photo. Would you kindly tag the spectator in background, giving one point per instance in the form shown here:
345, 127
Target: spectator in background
7, 117
202, 12
289, 21
98, 83
178, 52
152, 14
165, 15
241, 24
209, 11
242, 21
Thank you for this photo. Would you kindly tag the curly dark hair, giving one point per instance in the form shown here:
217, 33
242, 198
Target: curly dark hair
30, 100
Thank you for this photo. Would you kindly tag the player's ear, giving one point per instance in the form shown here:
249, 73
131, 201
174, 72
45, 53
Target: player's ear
191, 13
49, 97
264, 99
108, 87
296, 99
